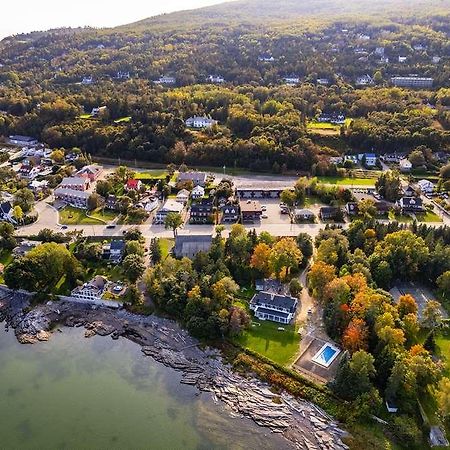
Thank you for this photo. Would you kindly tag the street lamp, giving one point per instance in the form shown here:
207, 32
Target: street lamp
224, 168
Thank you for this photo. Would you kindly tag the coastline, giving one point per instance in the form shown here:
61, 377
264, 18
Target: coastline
301, 423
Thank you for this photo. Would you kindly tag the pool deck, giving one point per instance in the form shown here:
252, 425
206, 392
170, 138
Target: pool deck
305, 364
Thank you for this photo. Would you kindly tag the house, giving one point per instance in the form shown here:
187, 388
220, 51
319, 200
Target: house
402, 59
74, 197
273, 307
198, 178
352, 209
364, 80
292, 80
200, 122
382, 207
393, 158
87, 80
38, 186
368, 159
133, 185
330, 213
165, 79
270, 285
217, 79
426, 186
122, 75
29, 171
187, 246
23, 141
405, 165
24, 247
266, 58
91, 172
436, 59
201, 212
245, 193
335, 119
6, 212
171, 206
304, 215
410, 204
198, 192
379, 51
93, 290
412, 82
114, 250
100, 110
183, 196
323, 81
230, 213
250, 210
111, 202
409, 191
75, 183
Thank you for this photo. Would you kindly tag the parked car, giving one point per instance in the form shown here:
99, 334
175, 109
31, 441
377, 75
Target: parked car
110, 226
64, 227
263, 208
264, 216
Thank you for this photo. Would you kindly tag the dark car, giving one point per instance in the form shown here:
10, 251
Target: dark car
110, 226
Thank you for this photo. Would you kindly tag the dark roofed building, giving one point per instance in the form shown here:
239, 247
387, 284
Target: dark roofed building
351, 208
230, 213
189, 245
250, 210
201, 212
411, 204
330, 213
274, 307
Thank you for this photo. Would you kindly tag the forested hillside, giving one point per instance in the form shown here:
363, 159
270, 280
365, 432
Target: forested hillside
251, 49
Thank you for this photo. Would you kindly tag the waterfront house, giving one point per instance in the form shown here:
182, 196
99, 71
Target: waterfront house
93, 290
187, 246
274, 307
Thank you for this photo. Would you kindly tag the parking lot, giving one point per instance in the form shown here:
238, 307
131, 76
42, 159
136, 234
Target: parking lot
273, 212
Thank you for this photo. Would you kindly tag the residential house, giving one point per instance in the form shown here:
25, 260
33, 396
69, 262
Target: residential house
274, 307
352, 209
23, 141
122, 75
405, 165
364, 80
198, 178
402, 59
266, 58
393, 157
28, 171
409, 192
436, 59
412, 82
202, 212
230, 213
73, 197
382, 208
216, 79
187, 246
165, 79
251, 210
410, 204
87, 80
198, 192
183, 196
111, 202
335, 119
114, 250
304, 215
93, 290
171, 206
133, 185
291, 80
368, 159
426, 186
91, 172
99, 111
25, 246
271, 285
323, 81
330, 213
200, 122
6, 212
38, 186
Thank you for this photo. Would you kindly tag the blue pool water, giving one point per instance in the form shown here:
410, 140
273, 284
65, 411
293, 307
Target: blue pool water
328, 353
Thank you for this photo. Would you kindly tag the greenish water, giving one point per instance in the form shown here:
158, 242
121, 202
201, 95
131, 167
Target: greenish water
77, 393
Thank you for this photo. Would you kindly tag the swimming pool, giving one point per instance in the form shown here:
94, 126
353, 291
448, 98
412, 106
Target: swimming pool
326, 355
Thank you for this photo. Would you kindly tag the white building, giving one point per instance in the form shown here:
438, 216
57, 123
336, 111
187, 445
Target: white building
405, 165
274, 307
87, 80
165, 79
171, 206
426, 186
73, 197
200, 122
23, 141
183, 196
414, 82
93, 290
292, 80
198, 192
364, 80
216, 79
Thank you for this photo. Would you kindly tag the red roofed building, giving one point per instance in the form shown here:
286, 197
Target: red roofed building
133, 185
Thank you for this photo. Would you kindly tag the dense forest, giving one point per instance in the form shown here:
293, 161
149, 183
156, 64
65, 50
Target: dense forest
262, 121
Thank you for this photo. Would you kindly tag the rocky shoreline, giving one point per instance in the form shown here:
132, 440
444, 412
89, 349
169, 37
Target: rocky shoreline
302, 423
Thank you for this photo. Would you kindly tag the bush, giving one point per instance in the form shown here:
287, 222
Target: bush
407, 432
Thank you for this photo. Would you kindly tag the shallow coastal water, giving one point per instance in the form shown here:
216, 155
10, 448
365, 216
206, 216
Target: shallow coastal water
77, 393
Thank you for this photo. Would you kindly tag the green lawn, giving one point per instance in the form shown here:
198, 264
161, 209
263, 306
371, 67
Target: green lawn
165, 246
6, 258
265, 338
123, 120
75, 216
429, 216
105, 215
443, 350
151, 174
347, 181
400, 218
85, 116
310, 201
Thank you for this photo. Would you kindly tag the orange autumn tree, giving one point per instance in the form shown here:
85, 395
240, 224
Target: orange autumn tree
260, 259
355, 336
406, 305
318, 277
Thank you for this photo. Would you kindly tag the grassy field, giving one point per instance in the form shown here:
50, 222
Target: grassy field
166, 246
123, 120
429, 216
347, 181
75, 216
104, 215
265, 338
151, 174
309, 201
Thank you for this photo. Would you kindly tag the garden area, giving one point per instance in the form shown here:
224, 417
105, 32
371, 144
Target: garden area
267, 339
428, 217
76, 216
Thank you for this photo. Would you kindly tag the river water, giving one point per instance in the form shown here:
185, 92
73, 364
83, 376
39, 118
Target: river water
76, 393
